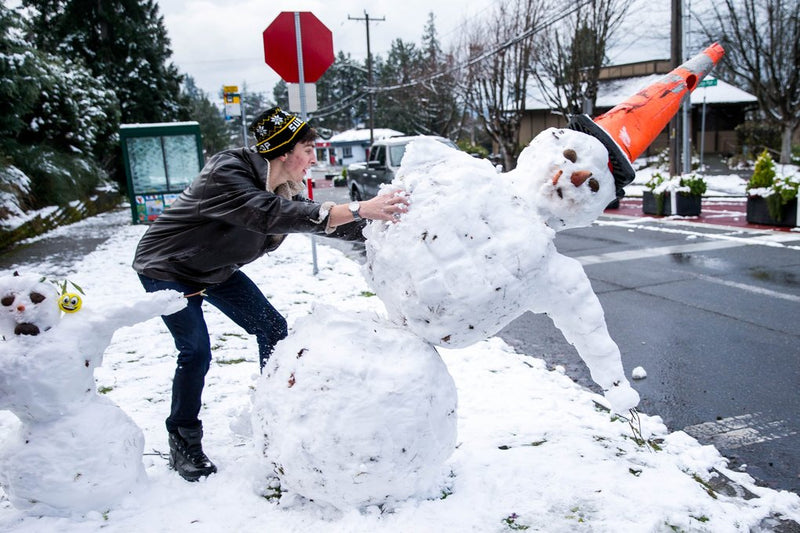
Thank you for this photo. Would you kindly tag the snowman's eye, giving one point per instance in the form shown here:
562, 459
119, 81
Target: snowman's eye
570, 154
37, 297
7, 300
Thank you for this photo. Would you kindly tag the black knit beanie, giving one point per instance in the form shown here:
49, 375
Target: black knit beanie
276, 132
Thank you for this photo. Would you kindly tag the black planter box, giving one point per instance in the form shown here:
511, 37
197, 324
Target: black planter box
687, 205
758, 212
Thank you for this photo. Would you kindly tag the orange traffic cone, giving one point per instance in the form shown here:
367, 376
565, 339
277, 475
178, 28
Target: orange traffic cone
629, 128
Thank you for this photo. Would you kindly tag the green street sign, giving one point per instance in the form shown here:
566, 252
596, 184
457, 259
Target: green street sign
708, 82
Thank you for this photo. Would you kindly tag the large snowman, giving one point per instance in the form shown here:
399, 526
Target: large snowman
358, 409
475, 249
75, 450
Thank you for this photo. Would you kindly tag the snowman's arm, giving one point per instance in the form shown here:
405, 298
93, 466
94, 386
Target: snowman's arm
139, 309
575, 309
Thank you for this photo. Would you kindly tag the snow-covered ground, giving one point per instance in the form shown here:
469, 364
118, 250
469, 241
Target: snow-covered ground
534, 451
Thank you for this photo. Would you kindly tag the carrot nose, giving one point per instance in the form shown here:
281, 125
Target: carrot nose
579, 177
20, 308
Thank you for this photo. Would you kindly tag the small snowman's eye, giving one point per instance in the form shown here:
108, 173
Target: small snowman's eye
571, 154
37, 297
7, 300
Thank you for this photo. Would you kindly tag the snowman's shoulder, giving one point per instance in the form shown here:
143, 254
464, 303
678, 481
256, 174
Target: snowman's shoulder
425, 153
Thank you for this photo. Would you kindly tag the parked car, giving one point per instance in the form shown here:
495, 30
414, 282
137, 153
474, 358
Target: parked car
365, 179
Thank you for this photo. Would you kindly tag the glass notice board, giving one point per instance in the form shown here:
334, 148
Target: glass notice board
160, 161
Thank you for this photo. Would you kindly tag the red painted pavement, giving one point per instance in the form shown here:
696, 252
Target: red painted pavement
718, 211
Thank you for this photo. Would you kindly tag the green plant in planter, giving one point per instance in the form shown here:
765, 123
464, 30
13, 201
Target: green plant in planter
763, 173
655, 180
784, 191
696, 184
341, 179
776, 190
691, 184
659, 185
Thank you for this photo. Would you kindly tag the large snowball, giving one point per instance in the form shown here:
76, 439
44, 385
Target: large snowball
354, 411
84, 461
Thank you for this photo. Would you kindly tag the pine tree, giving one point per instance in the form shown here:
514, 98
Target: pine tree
17, 65
341, 99
763, 172
212, 126
399, 105
443, 109
122, 42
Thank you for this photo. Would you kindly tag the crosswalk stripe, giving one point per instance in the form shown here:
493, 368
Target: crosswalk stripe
739, 431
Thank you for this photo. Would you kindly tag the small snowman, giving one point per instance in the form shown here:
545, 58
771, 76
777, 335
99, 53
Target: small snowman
475, 249
364, 414
75, 450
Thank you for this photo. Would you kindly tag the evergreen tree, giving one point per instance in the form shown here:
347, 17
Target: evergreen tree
122, 42
341, 95
212, 124
17, 66
399, 104
442, 107
52, 101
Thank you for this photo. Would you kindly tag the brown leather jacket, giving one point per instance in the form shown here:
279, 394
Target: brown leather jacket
224, 220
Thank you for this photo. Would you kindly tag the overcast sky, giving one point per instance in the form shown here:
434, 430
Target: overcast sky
219, 42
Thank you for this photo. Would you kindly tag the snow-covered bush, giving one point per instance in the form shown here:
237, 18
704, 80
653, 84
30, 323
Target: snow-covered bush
691, 184
763, 173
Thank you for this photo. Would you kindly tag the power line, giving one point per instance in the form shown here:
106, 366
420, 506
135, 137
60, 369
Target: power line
472, 61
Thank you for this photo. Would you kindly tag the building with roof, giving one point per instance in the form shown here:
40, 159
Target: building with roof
351, 146
723, 105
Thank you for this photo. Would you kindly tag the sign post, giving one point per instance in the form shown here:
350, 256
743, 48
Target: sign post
234, 107
300, 49
707, 82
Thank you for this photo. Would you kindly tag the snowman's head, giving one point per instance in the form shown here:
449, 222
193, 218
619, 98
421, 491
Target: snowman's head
28, 305
565, 175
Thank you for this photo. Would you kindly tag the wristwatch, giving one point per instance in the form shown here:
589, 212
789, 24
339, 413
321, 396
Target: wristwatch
354, 208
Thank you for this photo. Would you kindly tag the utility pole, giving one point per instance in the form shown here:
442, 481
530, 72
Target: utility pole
676, 53
369, 75
686, 107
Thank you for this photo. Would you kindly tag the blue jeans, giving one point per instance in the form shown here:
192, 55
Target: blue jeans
241, 301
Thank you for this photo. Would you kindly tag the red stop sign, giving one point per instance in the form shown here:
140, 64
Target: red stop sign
280, 46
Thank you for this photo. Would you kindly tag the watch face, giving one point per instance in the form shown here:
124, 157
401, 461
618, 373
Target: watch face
354, 207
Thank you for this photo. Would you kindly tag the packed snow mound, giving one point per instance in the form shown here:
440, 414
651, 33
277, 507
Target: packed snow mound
88, 459
362, 414
75, 450
475, 249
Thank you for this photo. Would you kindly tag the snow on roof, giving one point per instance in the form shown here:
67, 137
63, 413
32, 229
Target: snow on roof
613, 92
159, 124
362, 135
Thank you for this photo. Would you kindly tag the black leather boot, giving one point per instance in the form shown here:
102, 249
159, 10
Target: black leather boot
186, 454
